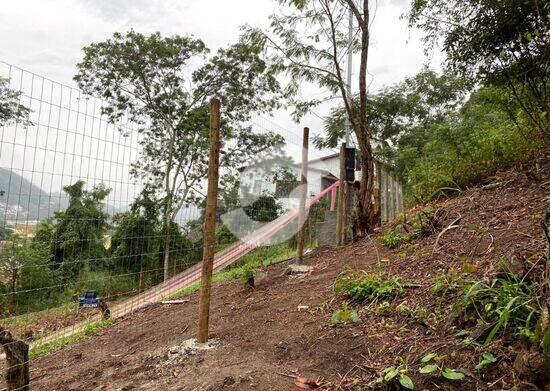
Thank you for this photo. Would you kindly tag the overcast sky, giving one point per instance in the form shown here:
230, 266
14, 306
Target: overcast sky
46, 37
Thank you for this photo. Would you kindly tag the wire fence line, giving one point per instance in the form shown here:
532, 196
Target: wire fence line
73, 218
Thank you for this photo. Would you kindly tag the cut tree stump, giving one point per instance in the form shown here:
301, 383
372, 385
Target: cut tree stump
17, 360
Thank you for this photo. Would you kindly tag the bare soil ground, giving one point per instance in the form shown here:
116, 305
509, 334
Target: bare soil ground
266, 339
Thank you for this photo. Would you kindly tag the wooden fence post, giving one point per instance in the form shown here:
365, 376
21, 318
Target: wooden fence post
210, 221
379, 181
302, 210
17, 362
341, 197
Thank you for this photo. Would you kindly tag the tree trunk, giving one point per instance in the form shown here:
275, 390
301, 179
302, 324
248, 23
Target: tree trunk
168, 204
17, 360
365, 212
167, 219
166, 248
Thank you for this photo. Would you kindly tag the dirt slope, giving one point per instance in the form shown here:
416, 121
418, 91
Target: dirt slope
265, 339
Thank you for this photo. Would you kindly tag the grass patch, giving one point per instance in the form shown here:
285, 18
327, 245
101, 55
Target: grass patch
503, 302
261, 256
59, 343
394, 239
360, 286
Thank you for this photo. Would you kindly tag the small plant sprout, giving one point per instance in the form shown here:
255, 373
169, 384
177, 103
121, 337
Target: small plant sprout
448, 282
246, 275
432, 364
391, 373
452, 374
417, 313
486, 359
345, 315
382, 307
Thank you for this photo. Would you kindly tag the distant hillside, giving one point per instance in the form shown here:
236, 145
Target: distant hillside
26, 201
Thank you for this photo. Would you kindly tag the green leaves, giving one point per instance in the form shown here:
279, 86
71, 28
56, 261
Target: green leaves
429, 368
448, 373
391, 373
406, 382
361, 286
11, 110
502, 43
452, 374
345, 315
487, 359
428, 357
506, 301
146, 79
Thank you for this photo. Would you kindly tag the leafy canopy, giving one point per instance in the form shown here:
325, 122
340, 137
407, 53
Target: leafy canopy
162, 86
498, 42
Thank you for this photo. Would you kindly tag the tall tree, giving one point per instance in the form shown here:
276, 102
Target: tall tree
80, 228
135, 241
308, 40
163, 85
504, 42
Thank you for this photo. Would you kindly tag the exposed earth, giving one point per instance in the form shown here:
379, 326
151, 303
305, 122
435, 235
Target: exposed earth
268, 336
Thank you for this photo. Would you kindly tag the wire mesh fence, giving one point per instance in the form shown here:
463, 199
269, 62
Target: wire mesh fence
83, 235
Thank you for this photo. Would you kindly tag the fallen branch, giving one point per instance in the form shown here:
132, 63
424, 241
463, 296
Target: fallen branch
453, 225
183, 301
287, 375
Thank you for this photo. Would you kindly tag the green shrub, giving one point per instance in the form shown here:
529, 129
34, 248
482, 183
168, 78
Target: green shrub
246, 273
106, 284
486, 135
224, 236
361, 286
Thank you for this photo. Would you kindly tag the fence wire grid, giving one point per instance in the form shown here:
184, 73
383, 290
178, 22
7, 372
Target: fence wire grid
74, 219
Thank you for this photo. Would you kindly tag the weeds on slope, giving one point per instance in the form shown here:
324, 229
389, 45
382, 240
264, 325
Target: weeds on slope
503, 302
360, 286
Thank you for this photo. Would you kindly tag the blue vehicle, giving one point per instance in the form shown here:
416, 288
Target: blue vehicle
90, 300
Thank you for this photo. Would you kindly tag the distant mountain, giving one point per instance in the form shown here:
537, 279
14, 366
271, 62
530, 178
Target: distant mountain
25, 201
